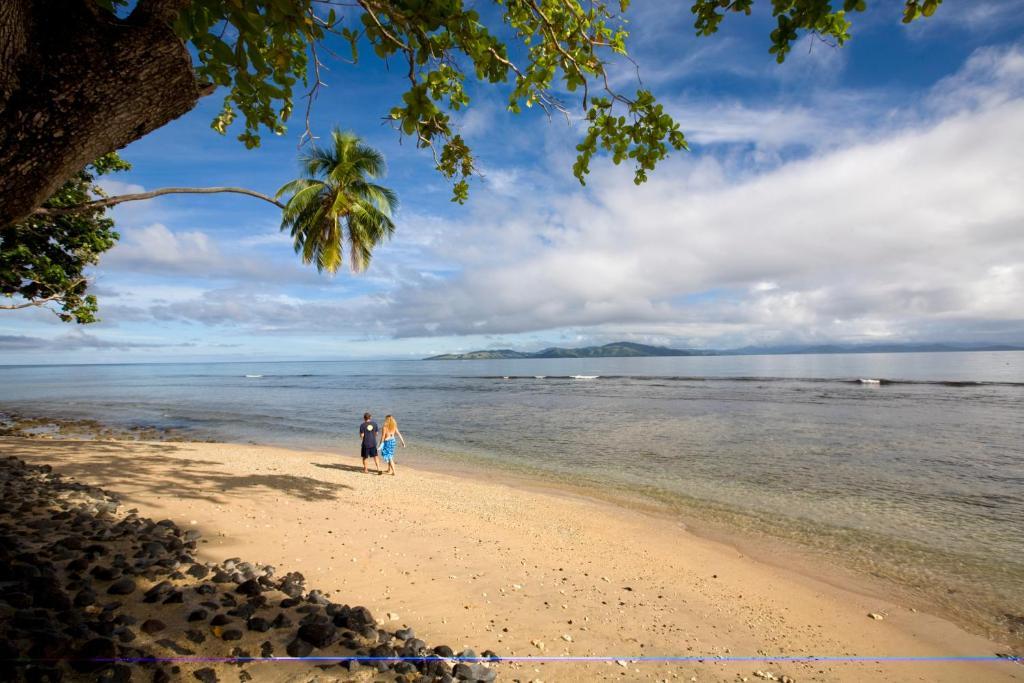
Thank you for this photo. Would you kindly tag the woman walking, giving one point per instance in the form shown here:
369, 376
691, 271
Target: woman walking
387, 444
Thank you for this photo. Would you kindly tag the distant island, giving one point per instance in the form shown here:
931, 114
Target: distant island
634, 350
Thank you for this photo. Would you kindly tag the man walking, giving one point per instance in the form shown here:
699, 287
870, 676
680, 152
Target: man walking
368, 431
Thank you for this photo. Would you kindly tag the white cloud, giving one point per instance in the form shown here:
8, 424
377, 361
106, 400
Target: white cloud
909, 228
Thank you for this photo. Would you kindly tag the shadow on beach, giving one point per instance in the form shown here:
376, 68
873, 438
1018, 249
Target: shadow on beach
340, 467
153, 468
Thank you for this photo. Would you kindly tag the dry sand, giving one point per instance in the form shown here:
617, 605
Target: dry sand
524, 572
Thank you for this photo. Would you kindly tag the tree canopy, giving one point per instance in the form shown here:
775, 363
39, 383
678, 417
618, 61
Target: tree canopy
81, 79
43, 258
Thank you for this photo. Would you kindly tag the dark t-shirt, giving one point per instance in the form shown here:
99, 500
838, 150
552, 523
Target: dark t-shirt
368, 430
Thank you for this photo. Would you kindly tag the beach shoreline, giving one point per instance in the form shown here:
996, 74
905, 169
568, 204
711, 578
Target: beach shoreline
502, 564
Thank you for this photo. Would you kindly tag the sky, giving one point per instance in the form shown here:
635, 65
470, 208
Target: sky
870, 193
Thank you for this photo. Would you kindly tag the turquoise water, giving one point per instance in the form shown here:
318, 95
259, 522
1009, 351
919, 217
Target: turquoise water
912, 464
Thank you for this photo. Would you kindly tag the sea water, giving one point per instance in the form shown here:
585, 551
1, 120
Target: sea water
907, 466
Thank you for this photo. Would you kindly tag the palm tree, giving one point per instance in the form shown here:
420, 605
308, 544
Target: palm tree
336, 201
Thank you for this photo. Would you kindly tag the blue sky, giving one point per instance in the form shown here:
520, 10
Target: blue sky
870, 193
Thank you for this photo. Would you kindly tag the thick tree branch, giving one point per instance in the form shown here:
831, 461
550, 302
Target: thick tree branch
112, 201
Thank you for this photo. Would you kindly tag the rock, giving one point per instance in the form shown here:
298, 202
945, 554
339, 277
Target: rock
158, 592
105, 573
540, 645
231, 634
266, 649
392, 616
250, 587
84, 598
361, 616
318, 635
85, 658
122, 587
151, 626
299, 648
281, 621
566, 637
198, 571
198, 615
220, 620
119, 673
258, 624
876, 616
175, 598
174, 647
206, 675
161, 676
444, 651
405, 633
195, 636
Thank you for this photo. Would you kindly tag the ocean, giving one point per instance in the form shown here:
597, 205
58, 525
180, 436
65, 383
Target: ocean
908, 467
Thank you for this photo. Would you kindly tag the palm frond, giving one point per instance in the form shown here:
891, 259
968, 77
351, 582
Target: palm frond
335, 202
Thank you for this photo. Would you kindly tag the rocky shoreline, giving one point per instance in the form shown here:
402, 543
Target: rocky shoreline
90, 591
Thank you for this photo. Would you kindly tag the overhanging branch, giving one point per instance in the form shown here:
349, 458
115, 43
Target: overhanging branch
113, 201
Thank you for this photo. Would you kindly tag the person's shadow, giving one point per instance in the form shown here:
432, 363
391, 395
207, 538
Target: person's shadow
339, 466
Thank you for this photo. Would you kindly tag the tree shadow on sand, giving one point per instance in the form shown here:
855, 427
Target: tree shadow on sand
153, 467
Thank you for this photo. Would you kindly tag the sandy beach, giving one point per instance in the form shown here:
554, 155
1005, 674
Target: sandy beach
487, 564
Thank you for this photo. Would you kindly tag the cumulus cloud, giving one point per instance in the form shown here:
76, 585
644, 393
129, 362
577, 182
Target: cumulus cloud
157, 250
918, 230
910, 231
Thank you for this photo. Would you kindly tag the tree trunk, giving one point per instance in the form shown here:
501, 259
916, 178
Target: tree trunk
77, 82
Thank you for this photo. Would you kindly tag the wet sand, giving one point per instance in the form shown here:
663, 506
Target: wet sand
523, 572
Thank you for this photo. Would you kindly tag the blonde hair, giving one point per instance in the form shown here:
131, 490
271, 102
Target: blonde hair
390, 425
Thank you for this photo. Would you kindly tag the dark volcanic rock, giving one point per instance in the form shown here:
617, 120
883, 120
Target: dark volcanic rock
258, 624
122, 587
105, 573
299, 648
318, 635
84, 598
231, 634
198, 571
206, 675
220, 620
250, 587
198, 615
195, 636
84, 659
174, 647
151, 626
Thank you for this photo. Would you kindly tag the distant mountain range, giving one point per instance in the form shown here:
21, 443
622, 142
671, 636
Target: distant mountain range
634, 350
